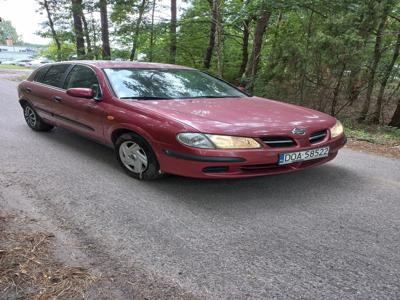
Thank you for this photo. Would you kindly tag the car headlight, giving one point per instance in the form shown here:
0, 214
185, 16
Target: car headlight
212, 141
233, 142
337, 129
196, 140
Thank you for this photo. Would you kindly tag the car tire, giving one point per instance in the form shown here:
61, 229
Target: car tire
136, 157
34, 121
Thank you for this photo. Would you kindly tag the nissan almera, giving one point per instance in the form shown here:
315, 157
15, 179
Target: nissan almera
171, 119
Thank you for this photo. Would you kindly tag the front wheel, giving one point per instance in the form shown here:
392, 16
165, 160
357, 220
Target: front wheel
34, 121
136, 157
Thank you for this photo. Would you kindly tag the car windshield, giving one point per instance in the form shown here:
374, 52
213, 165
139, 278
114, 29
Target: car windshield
152, 84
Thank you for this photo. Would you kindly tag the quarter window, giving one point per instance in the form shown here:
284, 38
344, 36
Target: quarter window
40, 73
54, 75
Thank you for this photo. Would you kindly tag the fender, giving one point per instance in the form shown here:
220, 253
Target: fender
130, 127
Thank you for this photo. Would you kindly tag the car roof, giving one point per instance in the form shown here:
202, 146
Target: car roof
103, 64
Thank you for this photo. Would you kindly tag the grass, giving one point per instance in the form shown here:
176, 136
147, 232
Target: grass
382, 135
12, 67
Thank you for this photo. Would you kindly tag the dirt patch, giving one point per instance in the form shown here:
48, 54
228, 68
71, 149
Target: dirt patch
387, 149
28, 269
14, 75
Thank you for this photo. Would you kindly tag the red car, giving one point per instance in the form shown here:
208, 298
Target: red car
172, 119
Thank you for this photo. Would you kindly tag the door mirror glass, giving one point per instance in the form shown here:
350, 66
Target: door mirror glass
81, 92
96, 92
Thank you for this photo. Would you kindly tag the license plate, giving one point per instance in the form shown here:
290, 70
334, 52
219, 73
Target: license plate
293, 157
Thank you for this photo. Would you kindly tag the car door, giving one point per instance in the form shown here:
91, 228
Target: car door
45, 88
82, 115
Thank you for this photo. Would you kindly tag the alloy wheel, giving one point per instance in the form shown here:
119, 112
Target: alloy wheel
30, 116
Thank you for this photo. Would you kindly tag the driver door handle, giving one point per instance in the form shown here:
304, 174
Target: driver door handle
56, 98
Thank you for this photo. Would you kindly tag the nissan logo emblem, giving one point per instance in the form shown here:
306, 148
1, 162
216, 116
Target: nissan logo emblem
299, 131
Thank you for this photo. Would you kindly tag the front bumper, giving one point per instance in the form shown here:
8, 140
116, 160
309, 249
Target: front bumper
200, 163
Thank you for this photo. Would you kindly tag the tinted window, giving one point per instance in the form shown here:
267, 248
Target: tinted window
54, 75
81, 77
167, 84
40, 73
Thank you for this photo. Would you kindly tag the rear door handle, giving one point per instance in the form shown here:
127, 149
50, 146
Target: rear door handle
28, 90
57, 98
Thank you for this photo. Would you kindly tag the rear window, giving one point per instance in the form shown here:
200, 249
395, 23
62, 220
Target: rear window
54, 75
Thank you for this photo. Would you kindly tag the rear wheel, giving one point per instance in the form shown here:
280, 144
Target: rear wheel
136, 157
34, 121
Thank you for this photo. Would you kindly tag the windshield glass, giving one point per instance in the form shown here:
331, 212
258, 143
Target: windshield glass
150, 84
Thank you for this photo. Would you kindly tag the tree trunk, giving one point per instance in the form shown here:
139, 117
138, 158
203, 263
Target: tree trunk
366, 27
152, 31
336, 91
87, 36
172, 49
252, 65
378, 109
305, 65
137, 30
213, 28
219, 41
76, 14
106, 51
245, 47
275, 57
395, 122
53, 31
375, 63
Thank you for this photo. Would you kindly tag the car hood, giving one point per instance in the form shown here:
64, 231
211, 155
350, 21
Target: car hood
250, 116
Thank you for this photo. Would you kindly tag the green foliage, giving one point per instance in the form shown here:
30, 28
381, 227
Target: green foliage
374, 134
67, 51
7, 30
314, 53
12, 67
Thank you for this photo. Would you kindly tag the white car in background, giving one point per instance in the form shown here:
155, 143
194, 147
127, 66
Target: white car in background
23, 62
8, 62
39, 62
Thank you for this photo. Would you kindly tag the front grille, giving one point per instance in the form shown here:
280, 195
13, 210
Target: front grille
318, 136
278, 141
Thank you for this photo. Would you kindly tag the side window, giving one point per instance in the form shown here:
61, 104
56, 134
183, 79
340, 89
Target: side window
81, 77
40, 73
54, 75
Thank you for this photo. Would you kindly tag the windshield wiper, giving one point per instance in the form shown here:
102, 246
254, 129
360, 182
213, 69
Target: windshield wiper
215, 96
144, 98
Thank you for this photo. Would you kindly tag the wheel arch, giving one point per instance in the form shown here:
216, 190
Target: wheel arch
24, 102
120, 131
117, 132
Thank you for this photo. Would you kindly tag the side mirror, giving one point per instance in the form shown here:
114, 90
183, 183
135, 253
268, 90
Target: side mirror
243, 89
80, 93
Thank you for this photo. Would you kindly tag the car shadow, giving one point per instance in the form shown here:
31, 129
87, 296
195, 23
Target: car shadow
82, 145
321, 182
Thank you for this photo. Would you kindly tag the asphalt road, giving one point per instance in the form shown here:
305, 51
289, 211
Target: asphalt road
332, 232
